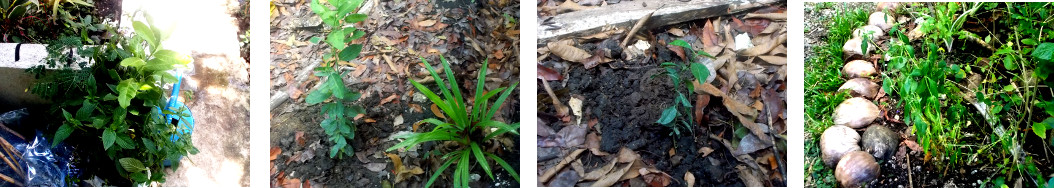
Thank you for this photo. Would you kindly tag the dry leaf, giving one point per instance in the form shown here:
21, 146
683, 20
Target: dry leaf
597, 59
612, 177
548, 74
750, 177
567, 160
711, 43
564, 50
573, 136
576, 107
626, 155
689, 179
437, 112
376, 167
275, 151
676, 32
403, 173
779, 17
593, 143
775, 60
300, 138
677, 50
292, 183
426, 23
655, 178
706, 151
387, 100
600, 172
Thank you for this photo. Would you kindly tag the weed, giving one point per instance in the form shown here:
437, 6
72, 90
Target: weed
468, 129
337, 124
670, 115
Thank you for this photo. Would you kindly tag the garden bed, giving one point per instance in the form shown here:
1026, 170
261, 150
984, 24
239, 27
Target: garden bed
604, 130
983, 122
397, 33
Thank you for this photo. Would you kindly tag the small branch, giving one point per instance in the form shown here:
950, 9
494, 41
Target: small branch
637, 26
567, 160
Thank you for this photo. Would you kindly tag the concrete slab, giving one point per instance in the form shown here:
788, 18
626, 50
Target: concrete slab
625, 14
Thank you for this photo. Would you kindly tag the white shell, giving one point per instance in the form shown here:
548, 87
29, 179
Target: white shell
837, 141
856, 113
858, 69
860, 87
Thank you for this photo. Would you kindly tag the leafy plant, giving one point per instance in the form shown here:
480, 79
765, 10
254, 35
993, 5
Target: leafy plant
57, 6
15, 9
469, 129
118, 98
681, 103
337, 123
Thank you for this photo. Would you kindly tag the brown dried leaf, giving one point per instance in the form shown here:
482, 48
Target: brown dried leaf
626, 155
300, 138
689, 179
655, 178
437, 112
292, 183
676, 32
775, 60
593, 143
597, 59
600, 172
401, 172
612, 177
275, 151
387, 100
706, 151
711, 43
564, 50
548, 74
573, 136
426, 23
677, 50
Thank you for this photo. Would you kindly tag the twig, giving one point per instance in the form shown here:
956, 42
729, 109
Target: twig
640, 23
10, 180
561, 110
11, 151
11, 131
567, 160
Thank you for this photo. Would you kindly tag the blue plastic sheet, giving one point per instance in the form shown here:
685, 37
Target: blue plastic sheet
37, 163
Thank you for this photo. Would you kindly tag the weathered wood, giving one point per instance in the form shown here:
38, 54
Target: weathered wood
625, 15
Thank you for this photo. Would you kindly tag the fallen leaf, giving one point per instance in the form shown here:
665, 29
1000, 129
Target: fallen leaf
700, 104
437, 112
576, 107
677, 50
750, 144
300, 138
706, 151
567, 160
626, 155
376, 167
749, 177
775, 60
387, 99
676, 32
612, 177
769, 16
307, 184
593, 143
597, 59
655, 178
689, 179
292, 183
401, 172
565, 179
711, 43
548, 74
600, 172
672, 152
499, 54
564, 50
573, 136
369, 120
426, 23
398, 120
275, 151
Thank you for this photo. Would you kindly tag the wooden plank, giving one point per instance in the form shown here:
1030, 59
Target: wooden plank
623, 15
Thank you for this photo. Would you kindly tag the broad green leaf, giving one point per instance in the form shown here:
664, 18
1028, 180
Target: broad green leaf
317, 7
149, 144
147, 33
131, 164
315, 40
61, 134
1041, 128
668, 115
134, 62
358, 34
126, 91
1044, 51
351, 52
85, 111
138, 177
108, 137
1009, 64
681, 43
355, 18
336, 39
317, 96
1028, 41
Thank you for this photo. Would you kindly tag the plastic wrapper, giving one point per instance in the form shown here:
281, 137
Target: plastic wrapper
34, 163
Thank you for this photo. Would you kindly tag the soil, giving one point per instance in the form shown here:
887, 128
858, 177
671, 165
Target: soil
622, 100
392, 105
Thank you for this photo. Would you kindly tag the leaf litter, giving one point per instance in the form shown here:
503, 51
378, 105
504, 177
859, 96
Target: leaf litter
623, 93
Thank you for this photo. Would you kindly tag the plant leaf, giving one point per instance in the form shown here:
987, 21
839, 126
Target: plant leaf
700, 72
505, 165
668, 115
351, 52
131, 164
1044, 51
355, 18
481, 159
108, 137
61, 134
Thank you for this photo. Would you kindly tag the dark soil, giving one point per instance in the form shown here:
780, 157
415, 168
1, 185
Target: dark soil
110, 9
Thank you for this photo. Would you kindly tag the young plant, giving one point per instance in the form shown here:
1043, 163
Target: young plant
469, 129
117, 99
337, 124
681, 103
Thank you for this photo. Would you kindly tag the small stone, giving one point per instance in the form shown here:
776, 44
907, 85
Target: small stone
871, 31
852, 47
418, 97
